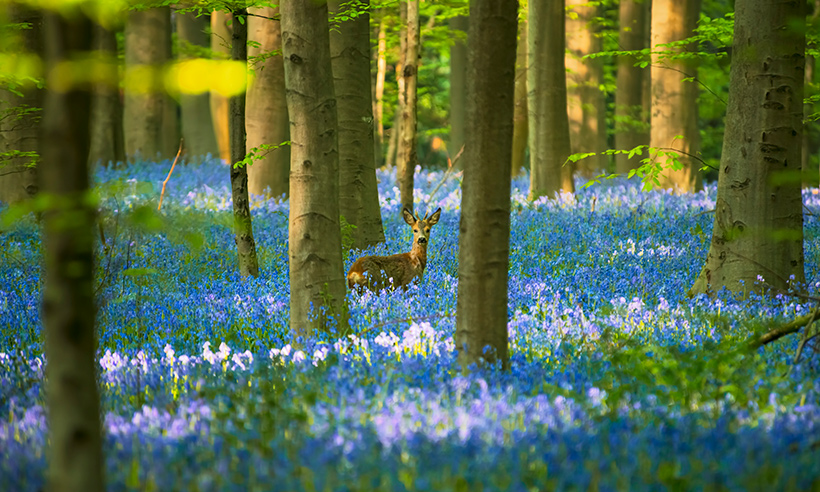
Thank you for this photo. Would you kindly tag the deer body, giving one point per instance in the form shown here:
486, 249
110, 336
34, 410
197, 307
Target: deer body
379, 272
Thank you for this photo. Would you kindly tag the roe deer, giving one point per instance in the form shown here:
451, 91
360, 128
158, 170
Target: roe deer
379, 272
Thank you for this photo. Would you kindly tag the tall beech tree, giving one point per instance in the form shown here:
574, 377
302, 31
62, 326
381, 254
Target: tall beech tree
75, 443
458, 83
107, 136
758, 228
520, 115
243, 226
267, 110
547, 101
358, 193
407, 154
221, 50
317, 281
484, 239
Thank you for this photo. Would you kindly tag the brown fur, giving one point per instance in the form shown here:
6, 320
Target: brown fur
380, 272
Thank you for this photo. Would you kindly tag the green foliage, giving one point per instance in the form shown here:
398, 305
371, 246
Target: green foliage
260, 152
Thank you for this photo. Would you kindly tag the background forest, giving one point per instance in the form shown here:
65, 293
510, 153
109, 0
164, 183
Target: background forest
620, 293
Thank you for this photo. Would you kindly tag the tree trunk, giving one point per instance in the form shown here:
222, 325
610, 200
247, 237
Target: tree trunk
107, 138
758, 230
484, 239
197, 124
221, 49
407, 155
267, 117
547, 100
674, 109
631, 117
520, 114
810, 175
358, 194
585, 102
381, 71
149, 114
243, 226
75, 451
458, 83
20, 116
317, 282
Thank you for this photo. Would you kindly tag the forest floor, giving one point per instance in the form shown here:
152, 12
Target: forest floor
619, 381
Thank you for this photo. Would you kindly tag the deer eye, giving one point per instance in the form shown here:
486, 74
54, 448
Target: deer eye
415, 230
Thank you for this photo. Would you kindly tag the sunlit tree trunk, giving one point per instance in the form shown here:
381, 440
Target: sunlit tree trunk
458, 83
149, 114
195, 109
378, 99
358, 194
221, 49
758, 228
484, 239
317, 282
68, 311
267, 110
631, 117
107, 138
406, 154
520, 116
585, 102
20, 116
547, 100
243, 227
674, 109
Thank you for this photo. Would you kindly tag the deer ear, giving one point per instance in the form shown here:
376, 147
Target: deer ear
434, 218
408, 216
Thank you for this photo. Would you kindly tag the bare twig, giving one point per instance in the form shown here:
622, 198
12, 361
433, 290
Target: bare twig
450, 167
162, 194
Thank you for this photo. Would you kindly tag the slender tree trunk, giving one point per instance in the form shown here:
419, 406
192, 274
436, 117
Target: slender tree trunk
149, 114
484, 239
381, 71
674, 102
458, 83
75, 451
267, 117
195, 109
20, 116
407, 154
547, 86
107, 138
631, 117
520, 114
358, 194
243, 226
221, 49
758, 229
317, 282
585, 103
393, 139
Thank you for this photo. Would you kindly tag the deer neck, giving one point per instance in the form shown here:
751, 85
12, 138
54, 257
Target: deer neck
419, 251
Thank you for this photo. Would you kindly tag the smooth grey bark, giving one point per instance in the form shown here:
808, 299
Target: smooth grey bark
547, 100
317, 281
631, 116
458, 83
195, 109
20, 116
358, 192
407, 153
75, 443
484, 238
267, 108
243, 226
758, 228
149, 115
107, 137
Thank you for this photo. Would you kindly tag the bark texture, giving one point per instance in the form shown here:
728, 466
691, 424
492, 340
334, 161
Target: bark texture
547, 100
267, 110
358, 194
631, 116
484, 232
458, 83
195, 109
20, 116
520, 114
378, 100
407, 154
149, 115
75, 453
317, 282
585, 102
758, 226
221, 49
674, 102
243, 226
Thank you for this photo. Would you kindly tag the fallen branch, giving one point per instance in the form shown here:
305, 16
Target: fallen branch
162, 194
450, 167
781, 331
